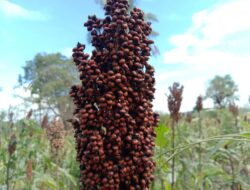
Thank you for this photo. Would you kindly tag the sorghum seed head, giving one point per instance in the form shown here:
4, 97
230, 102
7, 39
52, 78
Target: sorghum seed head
234, 109
45, 121
12, 144
115, 128
55, 133
174, 101
199, 104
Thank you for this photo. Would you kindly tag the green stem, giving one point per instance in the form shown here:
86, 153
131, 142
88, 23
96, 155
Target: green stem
153, 185
29, 185
173, 160
162, 185
200, 155
7, 182
233, 172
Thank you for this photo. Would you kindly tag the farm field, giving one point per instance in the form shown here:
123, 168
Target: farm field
151, 95
36, 160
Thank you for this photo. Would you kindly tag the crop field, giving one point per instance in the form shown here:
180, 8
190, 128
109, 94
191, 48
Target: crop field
124, 109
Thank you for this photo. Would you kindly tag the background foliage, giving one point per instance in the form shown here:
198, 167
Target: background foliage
226, 161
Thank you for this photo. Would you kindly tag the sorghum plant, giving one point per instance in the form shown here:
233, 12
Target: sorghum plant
199, 104
189, 117
174, 101
114, 122
174, 104
199, 107
55, 133
45, 121
12, 145
11, 150
233, 108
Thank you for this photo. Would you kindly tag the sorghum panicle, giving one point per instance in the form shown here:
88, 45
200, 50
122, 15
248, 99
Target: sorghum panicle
114, 122
189, 117
174, 101
12, 144
234, 109
55, 133
199, 104
45, 121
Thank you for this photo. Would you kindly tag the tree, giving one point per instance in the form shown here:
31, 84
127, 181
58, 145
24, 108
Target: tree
222, 90
48, 77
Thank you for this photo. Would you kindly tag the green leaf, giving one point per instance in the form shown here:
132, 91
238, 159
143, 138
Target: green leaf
46, 180
161, 139
215, 148
245, 134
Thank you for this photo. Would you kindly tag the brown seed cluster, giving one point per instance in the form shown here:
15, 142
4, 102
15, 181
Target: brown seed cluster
199, 104
55, 133
114, 122
174, 101
45, 122
189, 117
12, 145
234, 109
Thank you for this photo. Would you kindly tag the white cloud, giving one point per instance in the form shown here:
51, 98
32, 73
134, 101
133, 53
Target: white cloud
215, 44
10, 9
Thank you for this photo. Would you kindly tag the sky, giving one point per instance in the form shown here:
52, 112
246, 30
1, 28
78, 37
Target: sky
197, 40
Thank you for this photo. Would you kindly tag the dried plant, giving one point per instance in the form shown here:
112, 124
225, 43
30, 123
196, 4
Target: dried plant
114, 122
55, 133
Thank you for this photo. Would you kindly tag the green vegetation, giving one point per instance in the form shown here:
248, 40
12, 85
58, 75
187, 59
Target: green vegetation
28, 161
225, 154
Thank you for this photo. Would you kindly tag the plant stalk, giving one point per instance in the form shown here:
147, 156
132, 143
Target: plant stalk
7, 182
233, 173
173, 152
200, 187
